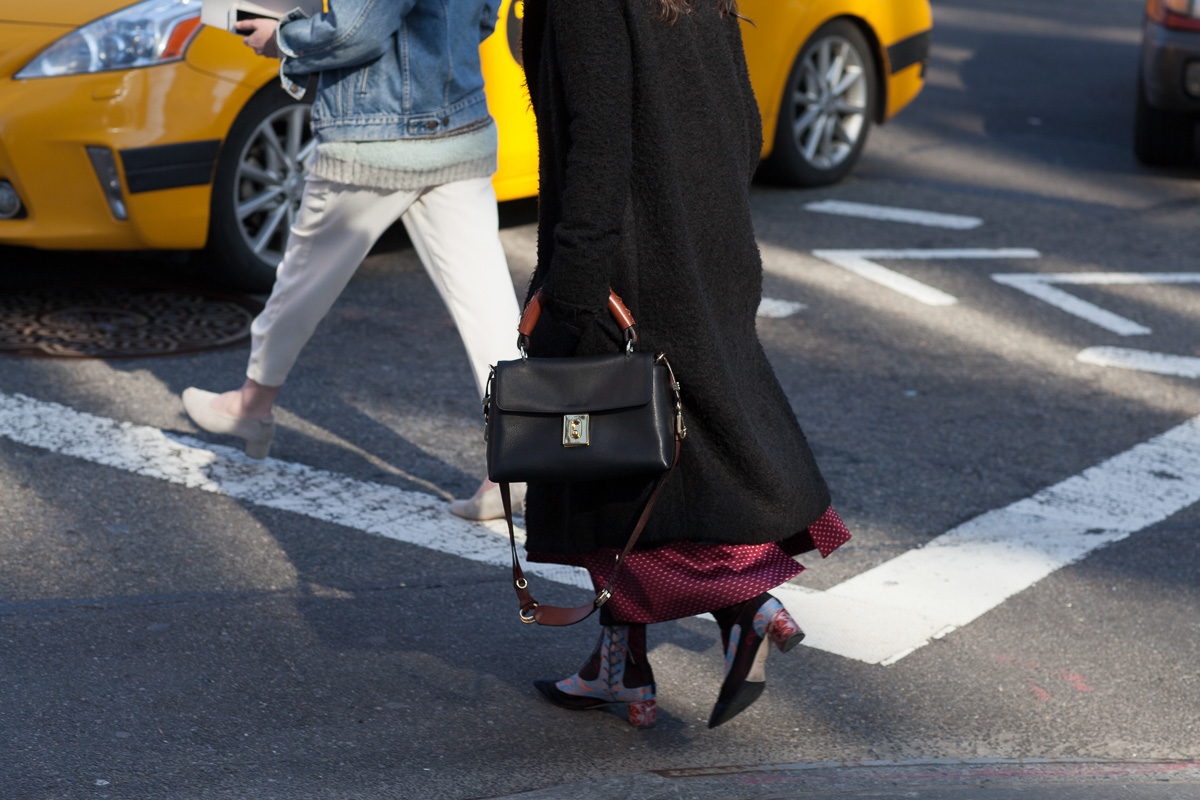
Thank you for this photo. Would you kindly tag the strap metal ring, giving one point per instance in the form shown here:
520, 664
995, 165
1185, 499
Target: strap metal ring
521, 583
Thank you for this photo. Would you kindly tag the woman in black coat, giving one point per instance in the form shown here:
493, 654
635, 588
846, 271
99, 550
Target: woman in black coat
649, 134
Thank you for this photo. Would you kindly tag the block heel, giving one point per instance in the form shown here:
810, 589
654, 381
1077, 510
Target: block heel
782, 630
643, 713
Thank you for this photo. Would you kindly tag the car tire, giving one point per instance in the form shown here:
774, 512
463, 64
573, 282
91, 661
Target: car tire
257, 188
829, 101
1162, 138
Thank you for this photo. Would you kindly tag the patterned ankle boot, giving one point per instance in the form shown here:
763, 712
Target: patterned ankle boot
744, 627
616, 672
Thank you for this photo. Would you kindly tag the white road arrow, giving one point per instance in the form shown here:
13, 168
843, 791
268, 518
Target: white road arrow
864, 264
1042, 286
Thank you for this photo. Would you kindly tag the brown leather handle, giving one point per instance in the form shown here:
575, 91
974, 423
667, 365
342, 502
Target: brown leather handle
533, 310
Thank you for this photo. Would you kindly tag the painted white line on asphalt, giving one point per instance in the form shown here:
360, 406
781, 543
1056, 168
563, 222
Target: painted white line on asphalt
855, 262
888, 612
878, 616
1141, 360
778, 309
411, 517
863, 263
931, 219
1041, 286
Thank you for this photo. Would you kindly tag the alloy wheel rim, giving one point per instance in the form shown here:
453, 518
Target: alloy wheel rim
829, 103
269, 183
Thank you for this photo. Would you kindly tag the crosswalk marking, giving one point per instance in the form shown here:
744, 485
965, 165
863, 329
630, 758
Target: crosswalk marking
877, 617
882, 615
412, 517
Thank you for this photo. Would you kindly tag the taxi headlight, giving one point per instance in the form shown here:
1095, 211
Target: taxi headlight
146, 33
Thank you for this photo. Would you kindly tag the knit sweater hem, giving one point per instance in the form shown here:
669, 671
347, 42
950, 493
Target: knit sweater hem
464, 154
354, 173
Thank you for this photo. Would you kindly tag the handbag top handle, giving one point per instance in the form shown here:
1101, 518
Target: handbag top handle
616, 307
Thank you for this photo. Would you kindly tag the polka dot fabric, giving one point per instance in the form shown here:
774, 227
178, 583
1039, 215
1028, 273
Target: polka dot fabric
684, 578
828, 533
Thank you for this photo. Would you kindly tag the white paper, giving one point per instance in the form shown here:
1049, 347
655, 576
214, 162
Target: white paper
224, 13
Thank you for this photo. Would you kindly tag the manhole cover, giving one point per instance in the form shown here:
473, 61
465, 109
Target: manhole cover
108, 322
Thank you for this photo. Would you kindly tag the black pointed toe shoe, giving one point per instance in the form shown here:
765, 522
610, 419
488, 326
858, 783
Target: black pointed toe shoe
744, 628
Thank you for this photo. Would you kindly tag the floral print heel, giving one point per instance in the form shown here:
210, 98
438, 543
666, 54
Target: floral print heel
778, 624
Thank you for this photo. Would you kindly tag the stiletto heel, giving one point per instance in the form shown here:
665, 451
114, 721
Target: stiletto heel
616, 672
744, 628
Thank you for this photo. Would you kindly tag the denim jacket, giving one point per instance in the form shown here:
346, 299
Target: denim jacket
389, 69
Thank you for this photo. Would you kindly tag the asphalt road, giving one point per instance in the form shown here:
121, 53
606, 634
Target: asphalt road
158, 640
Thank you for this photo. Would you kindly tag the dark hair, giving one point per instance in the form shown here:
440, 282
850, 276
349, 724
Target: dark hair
669, 10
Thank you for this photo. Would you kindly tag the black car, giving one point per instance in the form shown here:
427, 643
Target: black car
1168, 100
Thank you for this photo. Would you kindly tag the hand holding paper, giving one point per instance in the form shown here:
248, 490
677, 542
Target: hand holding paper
259, 34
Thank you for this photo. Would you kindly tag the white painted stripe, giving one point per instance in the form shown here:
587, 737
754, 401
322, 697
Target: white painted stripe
909, 287
1118, 278
885, 613
863, 263
1041, 286
931, 219
1037, 286
778, 309
951, 253
1142, 361
411, 517
878, 616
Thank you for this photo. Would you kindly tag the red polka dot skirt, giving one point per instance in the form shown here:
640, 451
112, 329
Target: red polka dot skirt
682, 579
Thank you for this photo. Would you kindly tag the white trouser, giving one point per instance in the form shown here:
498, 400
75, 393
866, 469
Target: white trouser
454, 229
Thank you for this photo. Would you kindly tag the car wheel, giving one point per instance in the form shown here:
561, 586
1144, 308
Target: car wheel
1162, 138
257, 189
828, 104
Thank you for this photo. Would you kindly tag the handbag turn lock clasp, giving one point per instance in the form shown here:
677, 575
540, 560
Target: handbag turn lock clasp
576, 430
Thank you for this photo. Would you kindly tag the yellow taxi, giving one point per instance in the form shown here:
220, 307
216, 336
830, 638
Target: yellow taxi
131, 126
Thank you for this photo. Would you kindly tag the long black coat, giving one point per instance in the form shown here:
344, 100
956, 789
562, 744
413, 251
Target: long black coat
649, 134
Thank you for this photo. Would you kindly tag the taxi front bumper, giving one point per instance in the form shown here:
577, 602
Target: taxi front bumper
160, 128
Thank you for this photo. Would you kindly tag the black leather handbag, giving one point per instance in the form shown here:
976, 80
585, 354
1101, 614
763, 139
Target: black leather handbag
580, 419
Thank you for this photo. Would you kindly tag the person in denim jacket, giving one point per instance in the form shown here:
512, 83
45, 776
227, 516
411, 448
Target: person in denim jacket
404, 133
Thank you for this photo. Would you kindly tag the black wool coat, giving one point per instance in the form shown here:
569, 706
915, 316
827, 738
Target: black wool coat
649, 134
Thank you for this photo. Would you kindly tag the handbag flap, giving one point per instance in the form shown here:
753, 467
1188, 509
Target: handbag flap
574, 385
